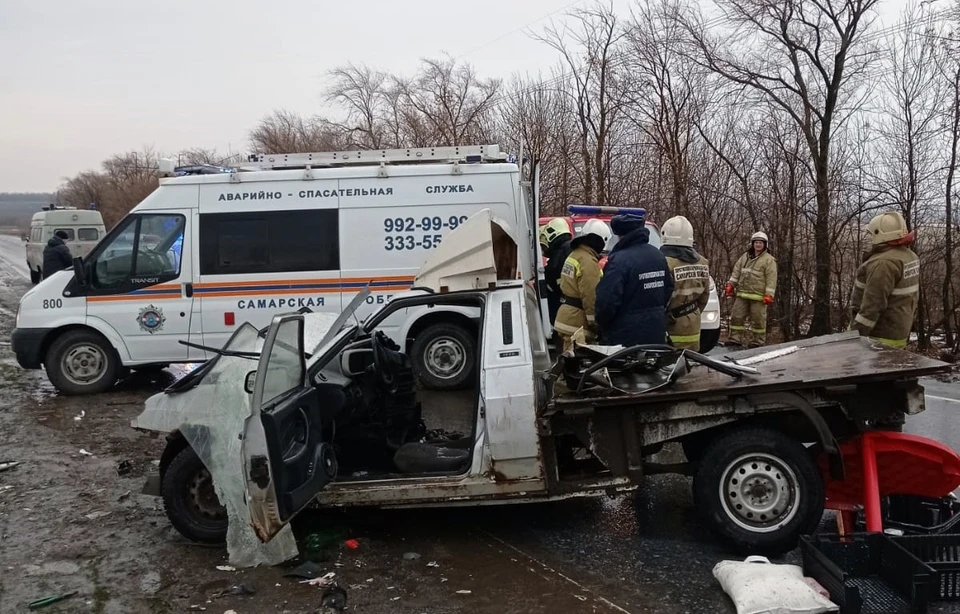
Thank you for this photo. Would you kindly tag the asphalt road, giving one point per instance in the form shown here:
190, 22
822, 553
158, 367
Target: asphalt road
642, 553
13, 258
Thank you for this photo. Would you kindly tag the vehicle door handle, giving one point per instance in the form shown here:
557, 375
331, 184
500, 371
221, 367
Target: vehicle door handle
188, 289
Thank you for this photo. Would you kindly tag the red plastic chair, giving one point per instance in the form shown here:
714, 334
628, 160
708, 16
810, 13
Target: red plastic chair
881, 463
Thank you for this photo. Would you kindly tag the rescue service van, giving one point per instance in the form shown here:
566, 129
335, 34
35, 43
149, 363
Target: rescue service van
208, 251
83, 227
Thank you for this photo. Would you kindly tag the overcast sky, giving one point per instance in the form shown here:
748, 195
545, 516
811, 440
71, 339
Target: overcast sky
84, 79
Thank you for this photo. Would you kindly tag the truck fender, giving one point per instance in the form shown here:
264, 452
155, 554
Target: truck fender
824, 434
102, 327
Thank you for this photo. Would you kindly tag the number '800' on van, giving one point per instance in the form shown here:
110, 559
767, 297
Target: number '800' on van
208, 251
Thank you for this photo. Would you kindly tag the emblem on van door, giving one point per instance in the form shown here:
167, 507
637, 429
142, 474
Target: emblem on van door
151, 319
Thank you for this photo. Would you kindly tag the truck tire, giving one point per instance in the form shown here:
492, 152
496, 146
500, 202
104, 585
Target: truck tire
190, 500
708, 339
34, 275
759, 489
444, 357
82, 362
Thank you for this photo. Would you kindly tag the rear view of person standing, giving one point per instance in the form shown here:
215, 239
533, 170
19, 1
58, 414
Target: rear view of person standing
636, 287
887, 288
754, 282
56, 255
691, 283
576, 319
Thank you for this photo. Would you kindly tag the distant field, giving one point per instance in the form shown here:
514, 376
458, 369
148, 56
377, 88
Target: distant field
17, 209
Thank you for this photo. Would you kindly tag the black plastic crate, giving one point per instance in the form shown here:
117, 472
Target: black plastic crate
868, 573
942, 553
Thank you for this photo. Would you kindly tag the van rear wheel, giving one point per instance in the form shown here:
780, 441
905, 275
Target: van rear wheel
444, 356
82, 362
34, 275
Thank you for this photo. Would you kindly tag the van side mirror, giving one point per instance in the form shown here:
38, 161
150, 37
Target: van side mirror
79, 273
249, 382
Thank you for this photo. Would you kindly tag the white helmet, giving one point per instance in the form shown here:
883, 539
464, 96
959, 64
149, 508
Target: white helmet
759, 236
886, 227
597, 227
677, 231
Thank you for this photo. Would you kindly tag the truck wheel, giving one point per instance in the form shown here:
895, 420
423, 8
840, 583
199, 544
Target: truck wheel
190, 500
759, 489
444, 356
34, 275
82, 362
708, 339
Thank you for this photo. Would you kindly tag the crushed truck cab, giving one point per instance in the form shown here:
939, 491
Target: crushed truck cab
330, 414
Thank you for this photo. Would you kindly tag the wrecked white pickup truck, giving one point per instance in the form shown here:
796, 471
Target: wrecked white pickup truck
332, 415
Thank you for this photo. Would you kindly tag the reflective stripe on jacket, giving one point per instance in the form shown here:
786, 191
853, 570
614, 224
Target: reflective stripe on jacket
755, 276
691, 291
578, 280
885, 295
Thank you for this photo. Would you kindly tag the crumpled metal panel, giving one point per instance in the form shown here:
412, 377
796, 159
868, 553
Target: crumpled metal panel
210, 416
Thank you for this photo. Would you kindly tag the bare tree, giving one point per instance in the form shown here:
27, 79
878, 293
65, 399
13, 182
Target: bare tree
911, 112
590, 51
452, 101
365, 95
201, 155
288, 132
666, 94
537, 113
799, 56
950, 72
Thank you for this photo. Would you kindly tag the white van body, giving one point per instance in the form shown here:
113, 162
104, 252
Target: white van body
84, 229
204, 253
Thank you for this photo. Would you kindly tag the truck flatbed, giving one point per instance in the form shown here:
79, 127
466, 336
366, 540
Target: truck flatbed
842, 359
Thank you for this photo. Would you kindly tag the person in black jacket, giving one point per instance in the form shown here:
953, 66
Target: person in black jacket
555, 240
56, 255
636, 287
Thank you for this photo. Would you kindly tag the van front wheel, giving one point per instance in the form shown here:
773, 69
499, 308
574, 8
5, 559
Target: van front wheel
444, 356
82, 362
34, 275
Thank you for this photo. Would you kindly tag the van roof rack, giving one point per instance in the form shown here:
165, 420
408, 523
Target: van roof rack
470, 154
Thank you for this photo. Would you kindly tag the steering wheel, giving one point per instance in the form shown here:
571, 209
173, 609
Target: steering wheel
385, 367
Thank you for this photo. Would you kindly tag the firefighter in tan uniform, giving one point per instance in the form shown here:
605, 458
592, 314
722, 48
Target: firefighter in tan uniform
754, 283
887, 289
691, 283
576, 318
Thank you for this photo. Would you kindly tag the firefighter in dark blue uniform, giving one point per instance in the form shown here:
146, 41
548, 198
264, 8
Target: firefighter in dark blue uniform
635, 290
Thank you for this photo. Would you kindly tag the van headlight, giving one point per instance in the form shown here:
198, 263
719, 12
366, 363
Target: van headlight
711, 316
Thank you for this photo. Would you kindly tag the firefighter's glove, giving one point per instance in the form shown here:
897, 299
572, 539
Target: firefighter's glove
768, 300
729, 289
